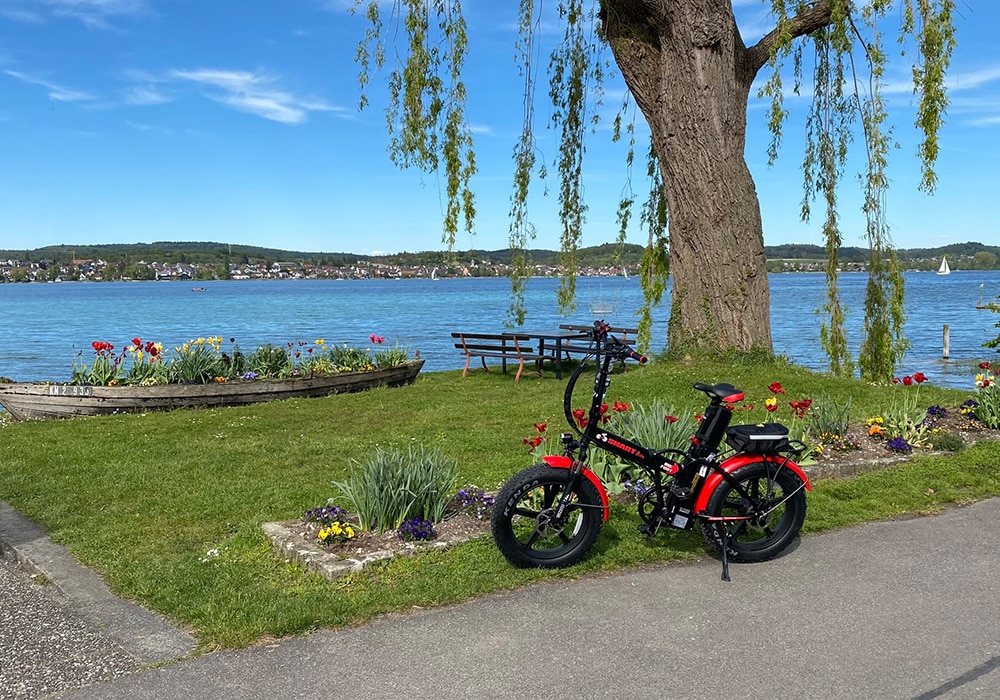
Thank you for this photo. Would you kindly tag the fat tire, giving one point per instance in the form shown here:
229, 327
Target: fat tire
519, 511
754, 542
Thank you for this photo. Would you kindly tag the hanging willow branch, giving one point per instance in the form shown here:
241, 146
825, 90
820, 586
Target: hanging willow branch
522, 231
426, 120
828, 132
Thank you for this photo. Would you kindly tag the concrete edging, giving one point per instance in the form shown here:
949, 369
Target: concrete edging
145, 635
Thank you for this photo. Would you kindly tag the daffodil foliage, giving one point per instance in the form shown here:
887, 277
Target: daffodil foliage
689, 75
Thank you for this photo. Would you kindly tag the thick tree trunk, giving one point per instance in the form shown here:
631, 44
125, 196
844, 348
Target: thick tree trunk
690, 74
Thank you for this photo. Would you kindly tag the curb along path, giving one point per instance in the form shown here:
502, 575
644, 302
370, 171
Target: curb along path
75, 612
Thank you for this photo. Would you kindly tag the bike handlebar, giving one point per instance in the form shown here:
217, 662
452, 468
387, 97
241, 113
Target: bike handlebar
612, 349
622, 349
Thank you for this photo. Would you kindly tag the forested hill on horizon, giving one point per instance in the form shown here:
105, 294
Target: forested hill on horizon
792, 256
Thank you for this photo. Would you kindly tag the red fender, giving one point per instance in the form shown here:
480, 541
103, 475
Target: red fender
734, 463
563, 462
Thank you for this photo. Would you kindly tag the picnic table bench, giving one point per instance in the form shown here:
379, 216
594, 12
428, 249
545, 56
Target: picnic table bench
506, 346
584, 348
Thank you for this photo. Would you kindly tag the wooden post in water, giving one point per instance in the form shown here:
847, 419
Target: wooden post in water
945, 341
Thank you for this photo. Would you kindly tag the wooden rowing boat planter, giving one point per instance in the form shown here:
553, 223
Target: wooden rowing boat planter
31, 401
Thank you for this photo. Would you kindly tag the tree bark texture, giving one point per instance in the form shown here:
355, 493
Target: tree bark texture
690, 74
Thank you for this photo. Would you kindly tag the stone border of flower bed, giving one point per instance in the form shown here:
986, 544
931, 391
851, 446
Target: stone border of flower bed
287, 541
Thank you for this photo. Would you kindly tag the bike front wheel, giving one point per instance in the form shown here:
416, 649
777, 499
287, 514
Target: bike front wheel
774, 501
526, 528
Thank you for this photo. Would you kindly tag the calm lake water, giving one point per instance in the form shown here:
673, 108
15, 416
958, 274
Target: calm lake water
45, 326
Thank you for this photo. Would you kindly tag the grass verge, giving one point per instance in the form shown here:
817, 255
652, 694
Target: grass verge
143, 499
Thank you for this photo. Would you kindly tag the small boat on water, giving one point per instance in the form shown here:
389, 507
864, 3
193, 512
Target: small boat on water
32, 401
197, 289
944, 269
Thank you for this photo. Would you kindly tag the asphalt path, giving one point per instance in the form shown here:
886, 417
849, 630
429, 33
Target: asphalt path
900, 609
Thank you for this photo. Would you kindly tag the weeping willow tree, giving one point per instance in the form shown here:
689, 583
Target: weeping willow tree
690, 76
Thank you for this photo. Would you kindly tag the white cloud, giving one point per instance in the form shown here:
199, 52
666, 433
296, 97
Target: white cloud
93, 14
967, 81
985, 121
254, 94
143, 96
57, 93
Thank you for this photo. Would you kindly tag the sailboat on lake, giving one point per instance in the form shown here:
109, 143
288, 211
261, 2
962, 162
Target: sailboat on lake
944, 269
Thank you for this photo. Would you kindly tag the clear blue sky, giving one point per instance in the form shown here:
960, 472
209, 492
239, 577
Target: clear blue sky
195, 120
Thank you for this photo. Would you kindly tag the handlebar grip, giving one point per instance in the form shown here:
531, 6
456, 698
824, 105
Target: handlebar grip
641, 359
626, 351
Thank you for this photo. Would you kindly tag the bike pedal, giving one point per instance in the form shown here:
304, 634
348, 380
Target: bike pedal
647, 529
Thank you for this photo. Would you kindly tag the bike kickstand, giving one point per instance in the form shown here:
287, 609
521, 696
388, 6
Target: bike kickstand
725, 553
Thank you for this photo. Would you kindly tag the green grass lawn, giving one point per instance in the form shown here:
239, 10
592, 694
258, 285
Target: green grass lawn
143, 498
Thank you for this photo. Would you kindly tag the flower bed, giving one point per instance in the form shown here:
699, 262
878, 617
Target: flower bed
203, 361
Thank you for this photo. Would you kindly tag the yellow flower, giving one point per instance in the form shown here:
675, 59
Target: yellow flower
770, 401
320, 342
220, 380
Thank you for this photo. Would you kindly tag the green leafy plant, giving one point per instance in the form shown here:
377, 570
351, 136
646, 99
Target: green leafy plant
392, 357
902, 418
987, 397
104, 369
197, 362
947, 442
829, 420
271, 362
658, 426
393, 485
348, 359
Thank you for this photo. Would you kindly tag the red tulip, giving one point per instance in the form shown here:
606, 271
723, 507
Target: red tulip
540, 427
776, 388
919, 377
671, 419
907, 380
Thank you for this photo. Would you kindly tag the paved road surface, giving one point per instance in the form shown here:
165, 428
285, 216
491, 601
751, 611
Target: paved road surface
903, 609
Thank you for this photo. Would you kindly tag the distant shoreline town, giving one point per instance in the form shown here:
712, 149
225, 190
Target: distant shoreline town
192, 262
105, 271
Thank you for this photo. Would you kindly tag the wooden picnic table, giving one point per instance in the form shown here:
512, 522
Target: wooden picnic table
555, 338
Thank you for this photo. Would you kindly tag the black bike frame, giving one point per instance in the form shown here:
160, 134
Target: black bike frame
674, 506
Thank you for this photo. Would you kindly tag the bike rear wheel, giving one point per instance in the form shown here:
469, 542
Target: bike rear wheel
776, 500
524, 525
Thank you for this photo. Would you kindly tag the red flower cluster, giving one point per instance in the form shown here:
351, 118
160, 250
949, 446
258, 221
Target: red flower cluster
985, 365
918, 377
376, 338
102, 349
800, 408
534, 442
149, 348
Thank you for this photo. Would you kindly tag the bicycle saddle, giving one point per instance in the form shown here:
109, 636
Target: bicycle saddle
721, 392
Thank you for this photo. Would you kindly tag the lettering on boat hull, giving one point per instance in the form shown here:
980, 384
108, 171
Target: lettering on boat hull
63, 390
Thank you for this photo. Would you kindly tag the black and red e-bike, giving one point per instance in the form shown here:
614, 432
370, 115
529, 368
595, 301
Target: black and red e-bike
749, 499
